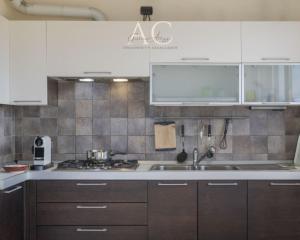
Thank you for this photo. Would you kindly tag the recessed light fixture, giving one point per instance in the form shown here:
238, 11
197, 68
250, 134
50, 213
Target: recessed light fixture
120, 80
86, 80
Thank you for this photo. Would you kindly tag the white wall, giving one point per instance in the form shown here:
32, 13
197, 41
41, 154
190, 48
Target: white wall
181, 9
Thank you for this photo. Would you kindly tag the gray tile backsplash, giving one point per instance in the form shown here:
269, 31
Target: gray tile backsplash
118, 116
7, 134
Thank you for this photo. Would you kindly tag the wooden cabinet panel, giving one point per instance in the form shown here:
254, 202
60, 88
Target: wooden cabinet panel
92, 233
91, 214
92, 191
222, 210
12, 213
172, 210
273, 210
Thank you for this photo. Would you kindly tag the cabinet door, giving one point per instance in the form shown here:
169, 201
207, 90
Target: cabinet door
270, 41
272, 84
184, 84
197, 42
28, 80
273, 210
222, 210
172, 210
4, 60
12, 213
98, 49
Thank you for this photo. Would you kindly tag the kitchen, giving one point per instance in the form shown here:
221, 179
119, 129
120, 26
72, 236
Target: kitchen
149, 124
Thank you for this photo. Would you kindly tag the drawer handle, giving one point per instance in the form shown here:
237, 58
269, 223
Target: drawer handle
91, 184
13, 190
98, 72
91, 230
172, 184
91, 207
27, 101
222, 184
276, 59
195, 59
284, 184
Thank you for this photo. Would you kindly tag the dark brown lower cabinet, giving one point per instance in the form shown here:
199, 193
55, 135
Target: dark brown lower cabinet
222, 210
274, 210
92, 233
12, 213
172, 210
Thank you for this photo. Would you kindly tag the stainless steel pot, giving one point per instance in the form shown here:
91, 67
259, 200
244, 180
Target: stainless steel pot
101, 155
97, 155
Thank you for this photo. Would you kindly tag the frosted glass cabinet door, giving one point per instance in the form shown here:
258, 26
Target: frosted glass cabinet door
195, 84
272, 84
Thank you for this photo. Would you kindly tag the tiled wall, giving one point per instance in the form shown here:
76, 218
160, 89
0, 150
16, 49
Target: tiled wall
7, 127
118, 116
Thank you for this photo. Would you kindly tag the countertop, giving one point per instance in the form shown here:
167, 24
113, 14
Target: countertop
142, 173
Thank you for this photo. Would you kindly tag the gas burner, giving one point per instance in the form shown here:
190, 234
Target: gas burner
98, 165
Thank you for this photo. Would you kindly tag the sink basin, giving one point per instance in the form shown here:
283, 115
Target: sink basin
170, 167
217, 167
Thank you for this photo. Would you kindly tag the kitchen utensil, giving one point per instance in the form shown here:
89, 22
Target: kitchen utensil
15, 168
165, 135
181, 157
209, 132
223, 142
201, 132
101, 155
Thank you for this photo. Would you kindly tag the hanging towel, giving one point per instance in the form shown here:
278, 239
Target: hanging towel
165, 136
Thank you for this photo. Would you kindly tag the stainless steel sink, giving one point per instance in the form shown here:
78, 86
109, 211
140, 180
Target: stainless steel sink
173, 167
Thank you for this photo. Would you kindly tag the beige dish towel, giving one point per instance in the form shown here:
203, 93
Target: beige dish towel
165, 136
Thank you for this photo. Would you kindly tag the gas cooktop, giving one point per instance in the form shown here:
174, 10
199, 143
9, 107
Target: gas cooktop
94, 165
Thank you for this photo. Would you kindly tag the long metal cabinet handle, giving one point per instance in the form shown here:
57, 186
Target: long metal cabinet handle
172, 184
222, 184
27, 101
91, 230
195, 59
284, 184
98, 72
275, 59
91, 207
13, 190
91, 184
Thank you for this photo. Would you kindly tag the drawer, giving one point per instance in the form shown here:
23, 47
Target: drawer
92, 214
92, 233
91, 191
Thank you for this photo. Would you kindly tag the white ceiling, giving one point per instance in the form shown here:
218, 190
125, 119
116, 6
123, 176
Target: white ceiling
180, 9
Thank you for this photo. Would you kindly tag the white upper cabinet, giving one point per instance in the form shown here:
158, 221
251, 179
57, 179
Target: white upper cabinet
270, 42
101, 49
4, 60
212, 42
28, 79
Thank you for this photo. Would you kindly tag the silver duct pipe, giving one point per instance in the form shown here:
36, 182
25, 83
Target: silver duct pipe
56, 10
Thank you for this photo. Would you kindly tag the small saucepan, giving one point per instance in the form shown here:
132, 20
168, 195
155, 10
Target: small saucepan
101, 155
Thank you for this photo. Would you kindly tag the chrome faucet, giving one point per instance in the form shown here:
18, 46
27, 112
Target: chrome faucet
195, 157
208, 154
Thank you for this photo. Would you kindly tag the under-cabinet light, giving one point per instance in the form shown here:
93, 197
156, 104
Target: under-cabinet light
86, 80
120, 80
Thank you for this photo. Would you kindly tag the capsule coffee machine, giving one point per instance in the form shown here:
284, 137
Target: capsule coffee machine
41, 151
